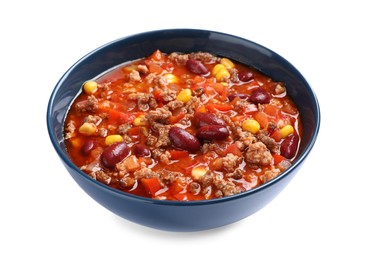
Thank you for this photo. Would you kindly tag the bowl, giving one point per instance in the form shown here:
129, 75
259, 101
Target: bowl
178, 215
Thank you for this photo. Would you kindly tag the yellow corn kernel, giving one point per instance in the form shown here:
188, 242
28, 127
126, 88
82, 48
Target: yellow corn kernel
184, 95
110, 139
227, 63
198, 172
170, 78
224, 83
217, 68
90, 87
286, 130
222, 75
88, 128
251, 125
140, 121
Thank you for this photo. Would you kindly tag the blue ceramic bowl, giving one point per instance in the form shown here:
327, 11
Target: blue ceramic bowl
174, 215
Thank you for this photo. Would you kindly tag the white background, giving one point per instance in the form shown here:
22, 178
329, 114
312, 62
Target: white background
320, 215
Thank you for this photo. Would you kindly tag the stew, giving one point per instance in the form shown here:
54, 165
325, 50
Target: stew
183, 127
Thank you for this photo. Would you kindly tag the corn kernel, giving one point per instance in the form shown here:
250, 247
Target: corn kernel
76, 142
184, 95
286, 130
227, 63
140, 121
198, 172
88, 128
110, 139
170, 78
222, 75
217, 68
90, 87
251, 125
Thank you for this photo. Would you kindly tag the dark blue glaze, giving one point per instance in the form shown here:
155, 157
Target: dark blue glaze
172, 215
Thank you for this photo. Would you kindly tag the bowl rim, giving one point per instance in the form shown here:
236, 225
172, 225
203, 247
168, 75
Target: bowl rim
299, 160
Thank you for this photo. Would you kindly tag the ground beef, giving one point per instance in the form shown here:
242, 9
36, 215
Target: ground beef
230, 162
245, 137
207, 179
198, 92
173, 105
163, 138
160, 115
145, 101
170, 176
193, 104
161, 155
103, 177
146, 173
168, 94
194, 187
142, 69
123, 129
237, 174
126, 182
70, 129
134, 76
179, 58
161, 82
257, 153
92, 119
204, 57
225, 188
88, 105
270, 174
151, 140
234, 75
270, 143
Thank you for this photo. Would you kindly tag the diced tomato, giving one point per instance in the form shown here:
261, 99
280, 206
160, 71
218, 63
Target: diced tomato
262, 119
276, 135
277, 158
201, 109
177, 187
117, 117
233, 149
151, 186
154, 67
221, 107
221, 89
271, 110
175, 119
176, 154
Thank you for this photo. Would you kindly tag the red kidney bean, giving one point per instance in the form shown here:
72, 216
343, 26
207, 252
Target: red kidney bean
202, 119
239, 95
182, 139
196, 67
141, 150
260, 96
114, 154
289, 146
212, 132
245, 76
87, 147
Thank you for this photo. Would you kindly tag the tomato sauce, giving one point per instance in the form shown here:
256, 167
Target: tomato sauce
183, 127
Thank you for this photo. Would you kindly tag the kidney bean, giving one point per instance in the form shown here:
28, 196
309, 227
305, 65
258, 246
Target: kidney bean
245, 76
87, 147
196, 67
202, 119
212, 132
141, 150
239, 95
182, 139
260, 96
114, 154
289, 146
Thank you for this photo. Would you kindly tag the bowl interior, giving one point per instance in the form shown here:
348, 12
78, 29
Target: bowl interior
182, 40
